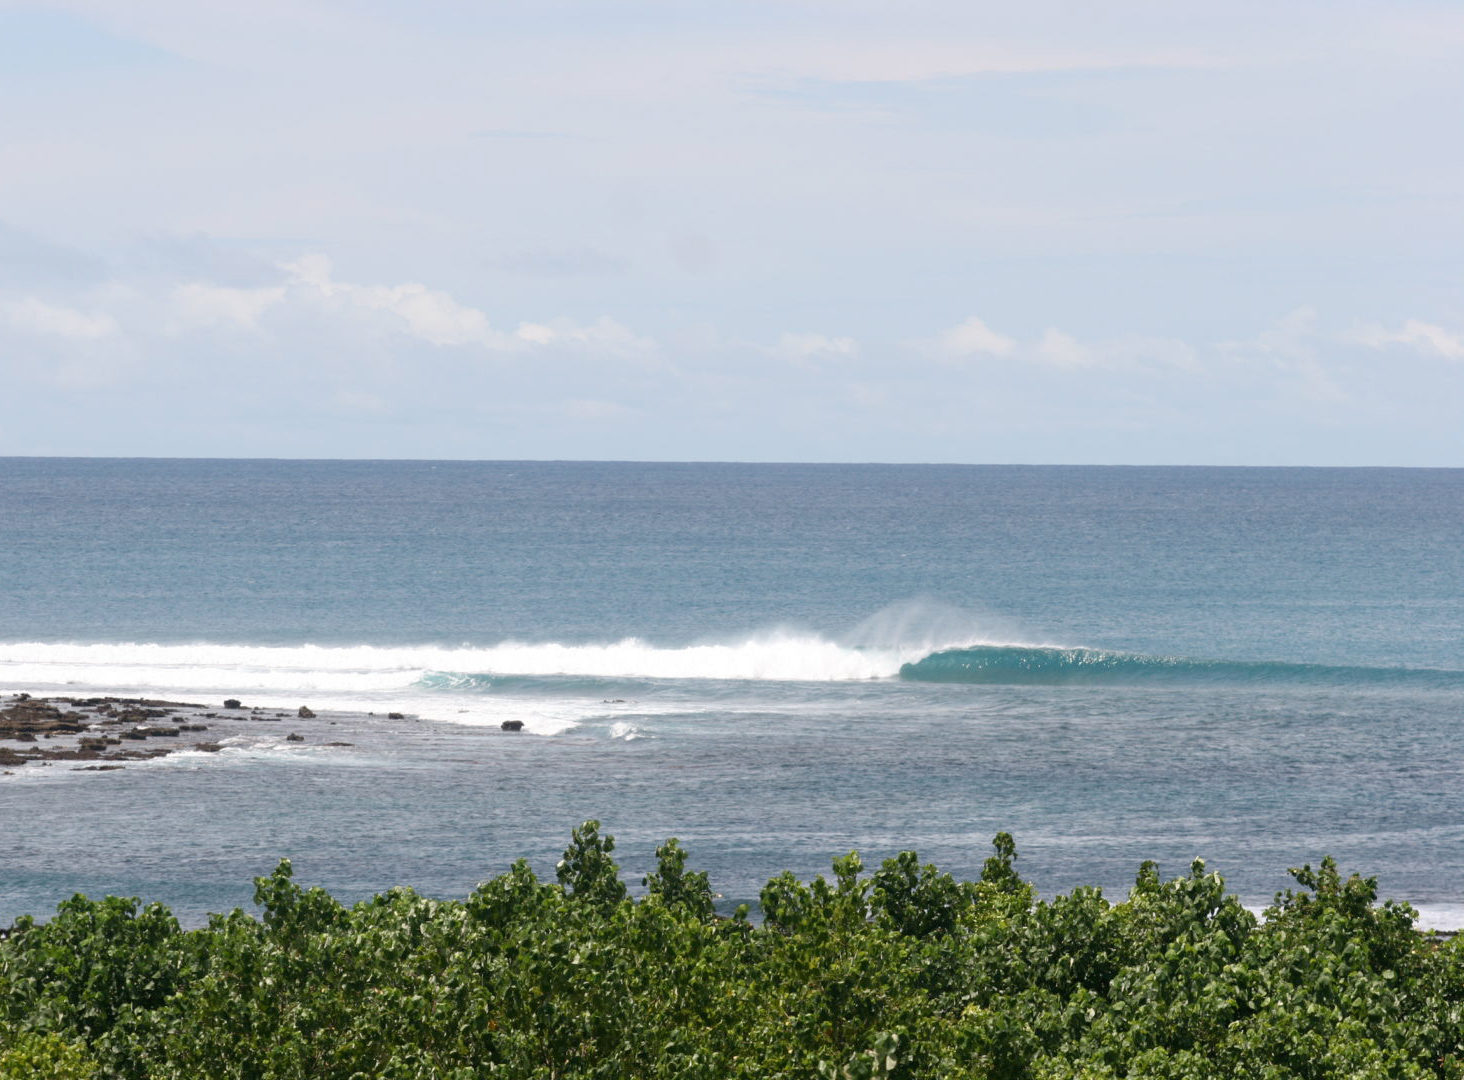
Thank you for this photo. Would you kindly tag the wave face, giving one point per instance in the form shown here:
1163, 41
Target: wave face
1051, 666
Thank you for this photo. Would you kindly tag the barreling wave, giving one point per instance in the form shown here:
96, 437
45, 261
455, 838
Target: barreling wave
1048, 665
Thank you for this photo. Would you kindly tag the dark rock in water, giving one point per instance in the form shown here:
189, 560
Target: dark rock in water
96, 768
512, 725
292, 737
395, 716
340, 744
305, 713
208, 747
233, 703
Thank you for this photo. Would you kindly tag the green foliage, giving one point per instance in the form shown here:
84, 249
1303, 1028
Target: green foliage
32, 1056
900, 974
675, 886
587, 871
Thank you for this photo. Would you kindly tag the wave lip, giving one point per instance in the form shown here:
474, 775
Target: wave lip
1052, 666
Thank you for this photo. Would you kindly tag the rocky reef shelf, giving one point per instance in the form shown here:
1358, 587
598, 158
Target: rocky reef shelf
103, 733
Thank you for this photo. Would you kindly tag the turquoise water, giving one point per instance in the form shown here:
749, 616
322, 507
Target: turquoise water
775, 663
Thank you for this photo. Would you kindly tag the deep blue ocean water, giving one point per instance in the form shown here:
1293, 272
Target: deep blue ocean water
775, 663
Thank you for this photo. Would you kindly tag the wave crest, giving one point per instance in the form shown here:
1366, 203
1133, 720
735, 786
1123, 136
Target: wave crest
1048, 665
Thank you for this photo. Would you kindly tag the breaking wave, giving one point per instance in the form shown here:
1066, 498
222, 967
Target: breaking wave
514, 667
1048, 665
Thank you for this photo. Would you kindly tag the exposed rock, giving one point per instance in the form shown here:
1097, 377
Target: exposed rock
395, 716
233, 703
106, 731
512, 725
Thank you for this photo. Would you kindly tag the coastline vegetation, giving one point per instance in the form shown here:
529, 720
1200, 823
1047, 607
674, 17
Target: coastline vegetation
899, 973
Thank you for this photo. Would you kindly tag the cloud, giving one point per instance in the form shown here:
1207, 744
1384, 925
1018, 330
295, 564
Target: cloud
973, 338
438, 318
199, 304
811, 348
1063, 351
35, 316
604, 334
1290, 347
1427, 338
423, 313
1130, 353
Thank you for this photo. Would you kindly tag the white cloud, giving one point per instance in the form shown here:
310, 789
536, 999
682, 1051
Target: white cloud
603, 335
1064, 351
438, 318
1290, 347
1425, 337
810, 348
424, 313
48, 320
1061, 350
200, 304
973, 338
1131, 353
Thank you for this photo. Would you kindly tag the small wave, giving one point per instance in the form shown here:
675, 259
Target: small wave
1046, 665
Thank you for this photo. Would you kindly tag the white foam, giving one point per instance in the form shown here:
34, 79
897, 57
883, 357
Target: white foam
776, 656
377, 679
1440, 916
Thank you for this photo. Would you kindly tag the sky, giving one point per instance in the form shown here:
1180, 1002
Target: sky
1134, 232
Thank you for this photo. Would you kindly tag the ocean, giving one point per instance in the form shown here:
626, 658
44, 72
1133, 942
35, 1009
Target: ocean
776, 663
